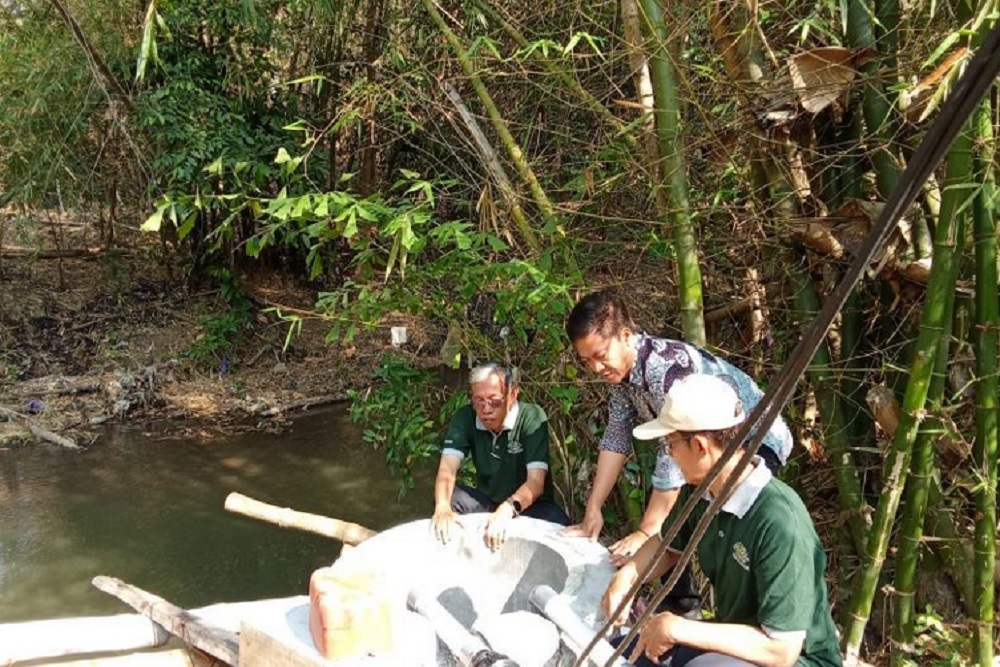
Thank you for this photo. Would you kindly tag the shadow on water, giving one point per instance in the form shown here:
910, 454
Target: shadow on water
150, 511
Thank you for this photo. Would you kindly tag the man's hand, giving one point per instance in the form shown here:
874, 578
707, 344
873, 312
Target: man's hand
617, 589
496, 525
442, 522
626, 547
590, 527
656, 637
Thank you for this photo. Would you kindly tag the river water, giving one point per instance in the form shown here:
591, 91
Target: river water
149, 510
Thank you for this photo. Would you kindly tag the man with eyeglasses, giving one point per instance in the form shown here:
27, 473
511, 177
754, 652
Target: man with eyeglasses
508, 442
761, 551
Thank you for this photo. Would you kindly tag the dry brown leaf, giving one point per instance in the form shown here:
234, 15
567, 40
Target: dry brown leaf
821, 76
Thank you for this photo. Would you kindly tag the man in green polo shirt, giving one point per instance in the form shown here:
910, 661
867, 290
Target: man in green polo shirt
760, 552
508, 442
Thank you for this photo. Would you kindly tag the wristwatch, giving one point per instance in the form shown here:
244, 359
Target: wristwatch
516, 505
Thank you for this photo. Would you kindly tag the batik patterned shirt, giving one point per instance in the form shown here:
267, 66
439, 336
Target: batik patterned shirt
659, 363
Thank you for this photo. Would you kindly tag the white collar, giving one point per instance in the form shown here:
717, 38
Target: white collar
508, 421
745, 495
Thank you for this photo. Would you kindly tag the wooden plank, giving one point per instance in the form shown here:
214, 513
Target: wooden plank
258, 648
213, 640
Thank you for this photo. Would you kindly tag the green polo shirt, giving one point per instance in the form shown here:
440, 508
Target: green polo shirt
767, 565
502, 461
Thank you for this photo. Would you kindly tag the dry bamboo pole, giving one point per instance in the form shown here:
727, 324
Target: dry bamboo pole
506, 138
492, 162
215, 641
349, 533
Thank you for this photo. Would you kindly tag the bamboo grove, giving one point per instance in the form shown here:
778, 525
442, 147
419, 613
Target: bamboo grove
717, 162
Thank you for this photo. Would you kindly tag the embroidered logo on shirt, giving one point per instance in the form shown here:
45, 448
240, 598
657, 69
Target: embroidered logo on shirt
515, 447
741, 556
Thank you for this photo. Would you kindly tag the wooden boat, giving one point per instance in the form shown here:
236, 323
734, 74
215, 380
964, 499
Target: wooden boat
535, 601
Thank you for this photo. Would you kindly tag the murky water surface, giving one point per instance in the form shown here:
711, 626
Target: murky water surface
150, 511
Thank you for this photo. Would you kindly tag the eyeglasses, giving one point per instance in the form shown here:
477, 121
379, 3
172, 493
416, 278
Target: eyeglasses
667, 446
480, 403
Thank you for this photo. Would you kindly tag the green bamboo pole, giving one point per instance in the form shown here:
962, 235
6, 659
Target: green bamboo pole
958, 171
668, 120
853, 321
897, 459
950, 546
878, 112
835, 429
986, 339
513, 149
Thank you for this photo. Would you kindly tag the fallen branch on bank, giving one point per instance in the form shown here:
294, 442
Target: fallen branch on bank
35, 253
215, 641
36, 430
59, 385
349, 533
303, 404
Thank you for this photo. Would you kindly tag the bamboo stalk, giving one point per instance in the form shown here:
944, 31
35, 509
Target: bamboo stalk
911, 531
941, 521
897, 459
345, 531
506, 138
853, 367
215, 641
639, 65
671, 156
836, 433
877, 111
986, 338
102, 73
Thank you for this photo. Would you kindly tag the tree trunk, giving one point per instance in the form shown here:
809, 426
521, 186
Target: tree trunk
835, 430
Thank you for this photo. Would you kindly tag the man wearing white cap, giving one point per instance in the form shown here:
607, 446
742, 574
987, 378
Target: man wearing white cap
760, 552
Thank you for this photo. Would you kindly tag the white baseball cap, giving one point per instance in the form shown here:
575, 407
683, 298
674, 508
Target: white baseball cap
694, 403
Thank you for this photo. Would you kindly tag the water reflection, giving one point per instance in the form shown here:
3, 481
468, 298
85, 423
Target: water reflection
149, 511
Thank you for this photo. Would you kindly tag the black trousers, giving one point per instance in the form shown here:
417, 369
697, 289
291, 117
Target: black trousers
466, 500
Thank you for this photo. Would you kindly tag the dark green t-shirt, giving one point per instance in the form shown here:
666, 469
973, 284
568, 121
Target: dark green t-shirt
502, 461
767, 566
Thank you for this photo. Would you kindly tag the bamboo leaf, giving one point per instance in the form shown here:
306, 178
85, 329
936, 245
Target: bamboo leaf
942, 48
153, 222
147, 50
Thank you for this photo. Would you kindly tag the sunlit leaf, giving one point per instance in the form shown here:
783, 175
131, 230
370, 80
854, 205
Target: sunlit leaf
153, 222
147, 50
